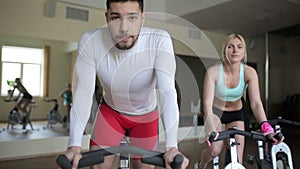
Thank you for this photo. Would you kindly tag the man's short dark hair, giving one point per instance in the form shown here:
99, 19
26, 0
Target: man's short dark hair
141, 3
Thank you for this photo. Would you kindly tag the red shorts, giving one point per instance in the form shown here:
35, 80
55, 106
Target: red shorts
110, 126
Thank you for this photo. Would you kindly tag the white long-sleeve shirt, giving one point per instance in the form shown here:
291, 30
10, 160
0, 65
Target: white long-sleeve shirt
129, 79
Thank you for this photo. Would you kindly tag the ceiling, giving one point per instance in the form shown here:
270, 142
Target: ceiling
250, 17
247, 17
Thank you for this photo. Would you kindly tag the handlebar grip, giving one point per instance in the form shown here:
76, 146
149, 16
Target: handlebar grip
278, 136
177, 162
159, 161
91, 158
88, 159
212, 136
63, 162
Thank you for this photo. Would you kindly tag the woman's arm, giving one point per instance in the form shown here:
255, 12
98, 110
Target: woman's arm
254, 94
208, 98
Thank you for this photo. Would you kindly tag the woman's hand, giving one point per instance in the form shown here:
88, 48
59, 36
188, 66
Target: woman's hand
272, 136
212, 136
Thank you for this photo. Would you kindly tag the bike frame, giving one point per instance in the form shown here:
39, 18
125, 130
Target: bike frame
229, 134
275, 149
234, 164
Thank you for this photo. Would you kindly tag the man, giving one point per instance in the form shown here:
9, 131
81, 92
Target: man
131, 62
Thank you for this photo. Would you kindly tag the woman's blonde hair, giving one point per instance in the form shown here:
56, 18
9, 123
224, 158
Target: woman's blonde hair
229, 39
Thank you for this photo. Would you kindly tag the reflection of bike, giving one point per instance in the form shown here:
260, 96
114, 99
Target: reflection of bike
280, 155
54, 116
229, 134
15, 117
125, 150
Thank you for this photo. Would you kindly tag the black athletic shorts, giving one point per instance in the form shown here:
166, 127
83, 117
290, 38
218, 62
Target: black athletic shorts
27, 96
229, 116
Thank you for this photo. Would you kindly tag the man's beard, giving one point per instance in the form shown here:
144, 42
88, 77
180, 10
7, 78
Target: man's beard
126, 46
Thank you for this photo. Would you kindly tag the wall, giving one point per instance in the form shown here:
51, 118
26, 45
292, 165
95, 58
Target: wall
284, 71
292, 80
283, 68
27, 25
27, 18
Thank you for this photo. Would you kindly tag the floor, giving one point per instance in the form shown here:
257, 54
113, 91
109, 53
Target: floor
40, 130
189, 148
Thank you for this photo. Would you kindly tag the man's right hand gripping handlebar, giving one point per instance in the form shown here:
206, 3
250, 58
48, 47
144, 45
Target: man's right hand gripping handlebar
170, 158
72, 158
72, 154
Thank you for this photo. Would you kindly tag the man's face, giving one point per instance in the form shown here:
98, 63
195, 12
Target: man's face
124, 22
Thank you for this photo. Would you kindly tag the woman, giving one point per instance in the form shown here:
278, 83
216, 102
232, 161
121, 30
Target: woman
224, 87
23, 98
66, 94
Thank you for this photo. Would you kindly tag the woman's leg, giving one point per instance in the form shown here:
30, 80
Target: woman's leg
22, 105
214, 150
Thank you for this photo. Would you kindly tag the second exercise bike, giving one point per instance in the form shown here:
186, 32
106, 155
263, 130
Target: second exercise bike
232, 161
54, 115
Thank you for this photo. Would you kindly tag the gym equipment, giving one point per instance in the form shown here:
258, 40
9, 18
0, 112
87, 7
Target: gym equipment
229, 134
15, 117
54, 116
275, 156
125, 150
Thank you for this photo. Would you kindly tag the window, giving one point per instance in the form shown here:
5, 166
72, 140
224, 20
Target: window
25, 63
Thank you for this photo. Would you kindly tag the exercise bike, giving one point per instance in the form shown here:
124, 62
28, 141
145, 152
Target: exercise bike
124, 150
280, 156
15, 117
54, 116
229, 134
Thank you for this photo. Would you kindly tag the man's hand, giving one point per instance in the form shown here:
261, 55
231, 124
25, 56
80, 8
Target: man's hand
169, 156
73, 154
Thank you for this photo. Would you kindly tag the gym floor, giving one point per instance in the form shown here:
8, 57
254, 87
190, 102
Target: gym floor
189, 148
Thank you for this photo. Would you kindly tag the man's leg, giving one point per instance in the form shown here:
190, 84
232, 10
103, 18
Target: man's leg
145, 135
107, 132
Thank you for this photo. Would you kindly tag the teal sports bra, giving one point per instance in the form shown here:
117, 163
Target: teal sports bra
230, 94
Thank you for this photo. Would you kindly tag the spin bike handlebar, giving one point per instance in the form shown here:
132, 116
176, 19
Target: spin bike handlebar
97, 156
223, 135
280, 120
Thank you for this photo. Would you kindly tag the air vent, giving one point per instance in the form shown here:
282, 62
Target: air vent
77, 14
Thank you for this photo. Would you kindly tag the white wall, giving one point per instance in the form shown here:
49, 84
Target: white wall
27, 18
